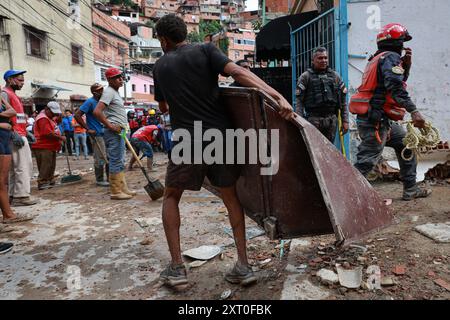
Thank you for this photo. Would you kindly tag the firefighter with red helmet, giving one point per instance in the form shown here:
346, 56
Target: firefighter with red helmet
381, 101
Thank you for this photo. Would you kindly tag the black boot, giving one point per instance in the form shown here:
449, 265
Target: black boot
99, 177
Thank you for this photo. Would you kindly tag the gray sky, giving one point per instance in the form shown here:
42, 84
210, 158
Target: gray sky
252, 5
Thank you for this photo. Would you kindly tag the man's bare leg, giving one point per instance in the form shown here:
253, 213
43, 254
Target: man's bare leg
237, 221
5, 163
171, 222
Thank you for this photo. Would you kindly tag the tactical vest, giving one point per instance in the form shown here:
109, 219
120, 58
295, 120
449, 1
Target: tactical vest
322, 91
363, 100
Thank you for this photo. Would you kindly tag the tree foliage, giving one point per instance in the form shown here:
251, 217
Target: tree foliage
205, 28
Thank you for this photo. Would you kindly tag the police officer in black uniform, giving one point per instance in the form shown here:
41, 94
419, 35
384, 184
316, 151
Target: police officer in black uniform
375, 128
321, 94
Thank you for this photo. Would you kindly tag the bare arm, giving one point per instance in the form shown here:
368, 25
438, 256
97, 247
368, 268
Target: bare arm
5, 126
248, 79
9, 112
79, 118
163, 107
98, 113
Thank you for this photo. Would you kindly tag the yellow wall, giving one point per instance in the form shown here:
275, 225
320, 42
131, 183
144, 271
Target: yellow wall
57, 70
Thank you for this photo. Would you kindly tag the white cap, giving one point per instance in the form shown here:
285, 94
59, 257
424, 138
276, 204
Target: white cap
54, 107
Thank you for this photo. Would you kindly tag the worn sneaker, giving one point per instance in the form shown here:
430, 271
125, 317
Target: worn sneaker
242, 275
174, 276
415, 192
25, 201
5, 247
44, 186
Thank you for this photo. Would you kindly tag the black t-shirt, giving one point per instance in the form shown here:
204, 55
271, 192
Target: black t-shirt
187, 80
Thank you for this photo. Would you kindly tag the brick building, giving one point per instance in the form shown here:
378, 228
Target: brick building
111, 40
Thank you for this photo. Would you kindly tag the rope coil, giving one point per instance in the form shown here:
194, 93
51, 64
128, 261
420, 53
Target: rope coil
417, 139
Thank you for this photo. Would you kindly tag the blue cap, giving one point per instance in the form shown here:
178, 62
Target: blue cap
11, 73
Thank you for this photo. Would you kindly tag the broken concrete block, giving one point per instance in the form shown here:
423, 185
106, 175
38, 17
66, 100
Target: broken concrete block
304, 290
439, 232
387, 282
351, 278
327, 276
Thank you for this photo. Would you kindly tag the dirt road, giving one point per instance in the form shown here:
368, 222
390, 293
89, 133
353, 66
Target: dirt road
82, 245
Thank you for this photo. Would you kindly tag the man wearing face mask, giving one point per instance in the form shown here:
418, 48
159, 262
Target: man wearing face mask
321, 94
381, 101
22, 163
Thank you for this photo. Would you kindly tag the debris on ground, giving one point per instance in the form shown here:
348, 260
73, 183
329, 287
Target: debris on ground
226, 294
387, 281
439, 232
327, 276
196, 263
443, 284
147, 222
250, 233
146, 242
203, 252
350, 278
399, 270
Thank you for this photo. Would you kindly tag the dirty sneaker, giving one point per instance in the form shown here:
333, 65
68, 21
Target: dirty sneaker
174, 276
415, 192
5, 247
24, 201
242, 275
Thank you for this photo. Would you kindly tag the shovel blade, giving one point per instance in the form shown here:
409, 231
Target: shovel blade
155, 190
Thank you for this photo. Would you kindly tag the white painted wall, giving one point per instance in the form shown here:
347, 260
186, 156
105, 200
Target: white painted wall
429, 24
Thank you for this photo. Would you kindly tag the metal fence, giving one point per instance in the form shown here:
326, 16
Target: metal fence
320, 32
329, 30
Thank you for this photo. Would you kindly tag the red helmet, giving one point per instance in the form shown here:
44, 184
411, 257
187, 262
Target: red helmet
393, 31
112, 72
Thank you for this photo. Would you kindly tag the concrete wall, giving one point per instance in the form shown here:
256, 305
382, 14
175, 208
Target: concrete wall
429, 24
139, 80
57, 68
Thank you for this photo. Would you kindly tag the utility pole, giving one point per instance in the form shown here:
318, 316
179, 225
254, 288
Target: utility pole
124, 67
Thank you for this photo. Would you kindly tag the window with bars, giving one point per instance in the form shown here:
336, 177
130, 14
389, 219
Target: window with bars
102, 74
77, 54
2, 32
36, 42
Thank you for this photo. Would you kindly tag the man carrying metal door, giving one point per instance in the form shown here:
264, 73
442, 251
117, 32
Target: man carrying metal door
381, 101
321, 95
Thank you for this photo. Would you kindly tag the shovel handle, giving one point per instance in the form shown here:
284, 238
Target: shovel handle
133, 152
100, 149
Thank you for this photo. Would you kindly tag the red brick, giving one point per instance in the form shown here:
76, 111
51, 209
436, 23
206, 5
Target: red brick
399, 270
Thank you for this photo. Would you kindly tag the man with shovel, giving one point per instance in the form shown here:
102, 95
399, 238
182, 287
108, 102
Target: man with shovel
96, 131
110, 111
186, 79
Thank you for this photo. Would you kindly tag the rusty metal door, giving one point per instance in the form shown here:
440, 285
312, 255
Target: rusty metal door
316, 190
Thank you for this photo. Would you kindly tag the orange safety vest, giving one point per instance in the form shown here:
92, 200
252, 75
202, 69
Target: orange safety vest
360, 102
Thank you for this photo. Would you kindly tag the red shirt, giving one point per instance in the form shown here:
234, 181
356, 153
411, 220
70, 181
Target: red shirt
133, 124
146, 133
43, 127
19, 122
